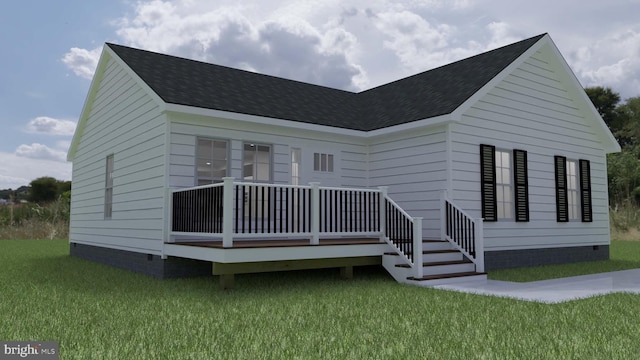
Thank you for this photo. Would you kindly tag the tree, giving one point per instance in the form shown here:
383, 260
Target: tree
630, 112
605, 100
43, 189
623, 171
63, 186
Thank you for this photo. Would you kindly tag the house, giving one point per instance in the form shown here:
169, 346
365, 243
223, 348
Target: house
183, 168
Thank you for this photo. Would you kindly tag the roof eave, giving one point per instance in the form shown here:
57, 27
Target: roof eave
88, 102
456, 115
256, 119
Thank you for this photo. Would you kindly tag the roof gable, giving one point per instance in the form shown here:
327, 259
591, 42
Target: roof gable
431, 93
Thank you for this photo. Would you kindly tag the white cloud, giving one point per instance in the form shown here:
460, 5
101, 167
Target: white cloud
366, 43
12, 182
612, 61
289, 47
63, 145
83, 62
40, 151
16, 171
50, 126
411, 37
502, 34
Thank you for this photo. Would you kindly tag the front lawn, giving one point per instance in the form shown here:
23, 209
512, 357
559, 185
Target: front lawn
624, 255
98, 312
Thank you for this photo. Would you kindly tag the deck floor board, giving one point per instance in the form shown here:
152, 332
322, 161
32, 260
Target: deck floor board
245, 244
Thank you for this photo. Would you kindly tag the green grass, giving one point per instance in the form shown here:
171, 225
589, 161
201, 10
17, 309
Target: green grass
98, 312
624, 255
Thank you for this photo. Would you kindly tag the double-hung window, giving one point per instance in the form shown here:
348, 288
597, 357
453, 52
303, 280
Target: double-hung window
212, 160
256, 168
573, 189
504, 184
296, 155
108, 188
256, 163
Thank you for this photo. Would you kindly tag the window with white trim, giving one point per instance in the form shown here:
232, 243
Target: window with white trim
256, 162
211, 160
504, 191
573, 202
323, 162
295, 166
108, 188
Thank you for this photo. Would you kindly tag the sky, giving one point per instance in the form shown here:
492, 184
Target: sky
50, 50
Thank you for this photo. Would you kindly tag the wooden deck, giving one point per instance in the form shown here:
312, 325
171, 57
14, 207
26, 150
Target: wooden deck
252, 244
276, 249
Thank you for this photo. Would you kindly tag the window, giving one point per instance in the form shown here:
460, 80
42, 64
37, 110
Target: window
504, 203
573, 189
295, 166
322, 162
256, 163
108, 189
211, 160
504, 196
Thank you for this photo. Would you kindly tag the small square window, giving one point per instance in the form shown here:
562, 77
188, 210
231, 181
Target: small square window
323, 162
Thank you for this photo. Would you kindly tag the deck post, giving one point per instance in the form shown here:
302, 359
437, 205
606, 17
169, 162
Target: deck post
443, 215
418, 269
227, 281
227, 212
479, 245
346, 272
383, 212
315, 213
168, 237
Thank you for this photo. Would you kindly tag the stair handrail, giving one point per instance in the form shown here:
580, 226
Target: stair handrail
410, 252
463, 231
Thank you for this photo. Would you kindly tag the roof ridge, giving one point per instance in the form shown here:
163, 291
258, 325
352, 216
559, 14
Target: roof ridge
226, 67
501, 48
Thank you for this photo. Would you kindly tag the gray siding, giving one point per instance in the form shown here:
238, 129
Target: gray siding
124, 121
531, 110
414, 167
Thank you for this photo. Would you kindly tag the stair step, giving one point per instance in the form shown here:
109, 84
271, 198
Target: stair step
446, 276
428, 252
438, 263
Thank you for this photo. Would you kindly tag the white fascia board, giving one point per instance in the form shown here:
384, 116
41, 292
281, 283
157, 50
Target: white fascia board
105, 56
456, 115
135, 77
609, 142
417, 124
192, 110
185, 109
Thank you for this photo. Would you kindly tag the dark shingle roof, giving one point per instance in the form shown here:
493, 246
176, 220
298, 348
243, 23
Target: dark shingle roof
431, 93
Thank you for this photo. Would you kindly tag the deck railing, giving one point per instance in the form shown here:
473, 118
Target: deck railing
404, 233
236, 210
463, 231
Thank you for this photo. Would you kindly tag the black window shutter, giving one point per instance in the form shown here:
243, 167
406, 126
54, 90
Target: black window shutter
562, 206
585, 190
521, 185
488, 182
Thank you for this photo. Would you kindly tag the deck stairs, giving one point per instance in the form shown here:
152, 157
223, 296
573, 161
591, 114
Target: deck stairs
442, 264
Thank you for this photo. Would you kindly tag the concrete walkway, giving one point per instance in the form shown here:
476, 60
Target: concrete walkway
555, 290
